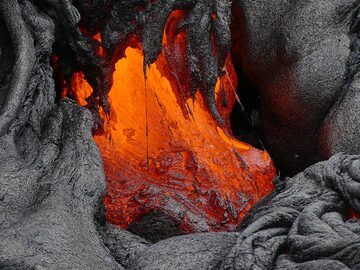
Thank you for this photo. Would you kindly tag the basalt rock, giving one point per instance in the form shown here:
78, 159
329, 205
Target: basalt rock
51, 171
52, 181
302, 56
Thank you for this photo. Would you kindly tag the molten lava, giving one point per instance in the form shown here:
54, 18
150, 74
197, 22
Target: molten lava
163, 151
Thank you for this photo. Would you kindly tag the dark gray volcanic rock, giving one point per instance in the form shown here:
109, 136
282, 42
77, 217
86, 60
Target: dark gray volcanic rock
51, 175
297, 53
340, 131
52, 181
304, 225
188, 252
123, 245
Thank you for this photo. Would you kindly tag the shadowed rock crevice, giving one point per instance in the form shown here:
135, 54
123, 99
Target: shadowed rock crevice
244, 118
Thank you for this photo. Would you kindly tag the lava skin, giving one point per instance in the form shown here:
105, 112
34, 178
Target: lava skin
52, 181
301, 56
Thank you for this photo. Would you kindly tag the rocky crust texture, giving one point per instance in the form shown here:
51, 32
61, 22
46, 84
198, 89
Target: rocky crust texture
52, 183
303, 58
301, 226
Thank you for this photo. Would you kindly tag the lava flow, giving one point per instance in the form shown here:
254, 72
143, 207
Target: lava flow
163, 151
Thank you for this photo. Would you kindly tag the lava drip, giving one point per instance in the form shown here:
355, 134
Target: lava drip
163, 149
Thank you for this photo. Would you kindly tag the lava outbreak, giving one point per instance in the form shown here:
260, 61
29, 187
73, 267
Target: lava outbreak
164, 151
116, 121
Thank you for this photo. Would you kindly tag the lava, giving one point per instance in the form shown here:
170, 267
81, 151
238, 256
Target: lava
163, 150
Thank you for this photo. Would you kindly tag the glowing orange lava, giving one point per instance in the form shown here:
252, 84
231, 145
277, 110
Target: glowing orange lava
162, 155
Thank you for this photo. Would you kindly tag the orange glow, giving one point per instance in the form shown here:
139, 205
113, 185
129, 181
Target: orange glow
163, 150
100, 51
83, 89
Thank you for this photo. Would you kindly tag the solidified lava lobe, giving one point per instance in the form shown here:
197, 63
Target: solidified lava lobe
164, 151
